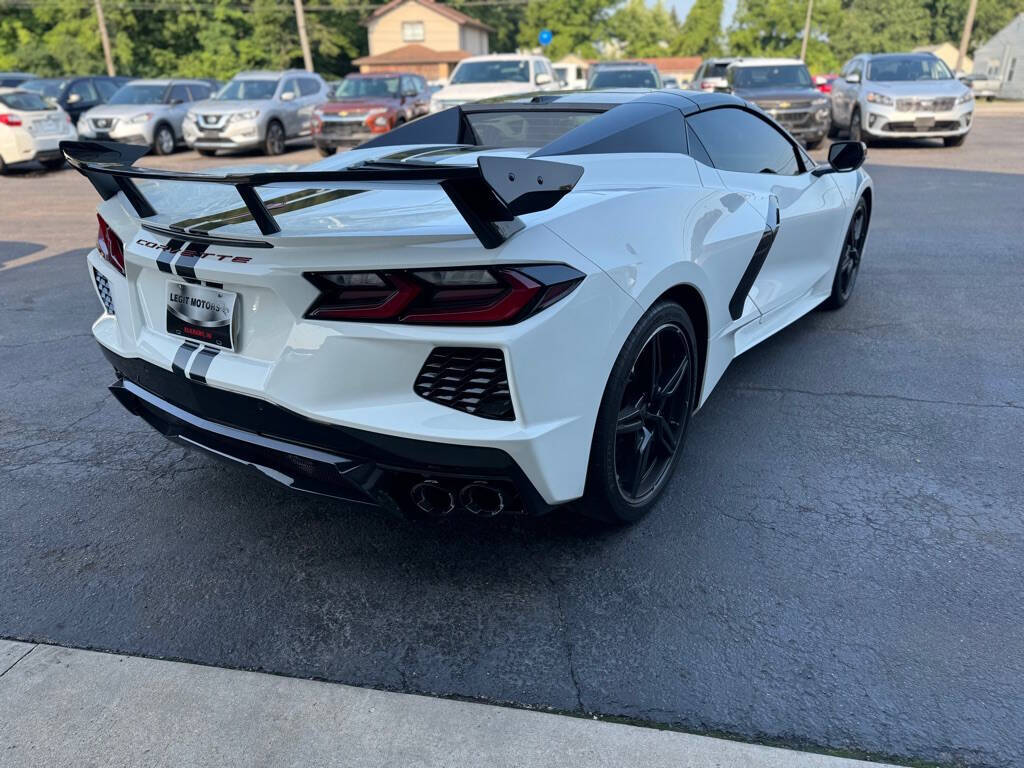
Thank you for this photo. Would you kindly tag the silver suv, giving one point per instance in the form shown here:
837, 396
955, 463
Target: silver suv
901, 96
262, 110
147, 112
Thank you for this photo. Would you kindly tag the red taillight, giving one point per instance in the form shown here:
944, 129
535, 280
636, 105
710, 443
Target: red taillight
706, 86
11, 120
109, 245
457, 296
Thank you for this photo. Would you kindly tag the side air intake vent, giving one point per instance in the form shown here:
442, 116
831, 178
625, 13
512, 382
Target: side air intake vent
468, 379
103, 288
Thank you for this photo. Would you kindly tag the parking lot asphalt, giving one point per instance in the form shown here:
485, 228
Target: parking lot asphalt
836, 564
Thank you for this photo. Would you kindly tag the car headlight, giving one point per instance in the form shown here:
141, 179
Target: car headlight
879, 98
250, 114
143, 118
965, 98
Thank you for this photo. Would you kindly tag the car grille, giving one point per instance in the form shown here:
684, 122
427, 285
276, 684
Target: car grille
342, 129
924, 105
103, 288
469, 379
784, 104
908, 126
102, 123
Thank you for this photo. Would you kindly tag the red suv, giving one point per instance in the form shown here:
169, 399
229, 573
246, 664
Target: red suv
366, 105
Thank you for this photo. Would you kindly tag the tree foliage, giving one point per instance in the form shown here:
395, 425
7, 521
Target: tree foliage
643, 30
775, 28
701, 32
577, 25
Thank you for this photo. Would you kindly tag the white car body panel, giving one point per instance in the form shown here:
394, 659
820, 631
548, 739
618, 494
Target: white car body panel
39, 134
636, 225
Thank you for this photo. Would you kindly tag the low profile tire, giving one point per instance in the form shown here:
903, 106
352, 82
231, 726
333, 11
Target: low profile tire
833, 129
849, 257
856, 129
644, 415
163, 140
54, 165
954, 141
325, 151
207, 152
273, 142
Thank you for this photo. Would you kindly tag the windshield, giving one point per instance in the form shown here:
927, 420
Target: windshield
786, 75
889, 70
48, 89
363, 87
634, 77
500, 71
139, 94
27, 102
246, 90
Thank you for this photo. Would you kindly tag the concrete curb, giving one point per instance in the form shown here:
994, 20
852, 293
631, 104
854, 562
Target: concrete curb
65, 707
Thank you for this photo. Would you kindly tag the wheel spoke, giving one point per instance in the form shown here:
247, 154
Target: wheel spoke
642, 460
668, 436
655, 363
675, 379
630, 420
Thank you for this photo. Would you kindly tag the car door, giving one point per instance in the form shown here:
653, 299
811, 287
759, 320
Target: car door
178, 102
80, 96
311, 93
759, 161
289, 107
849, 88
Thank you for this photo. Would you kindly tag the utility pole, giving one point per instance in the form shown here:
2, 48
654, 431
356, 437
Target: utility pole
807, 31
966, 37
105, 39
300, 20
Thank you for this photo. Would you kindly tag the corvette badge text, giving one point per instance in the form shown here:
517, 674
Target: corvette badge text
194, 253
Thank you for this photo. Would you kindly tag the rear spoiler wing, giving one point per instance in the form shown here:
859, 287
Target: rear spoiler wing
490, 196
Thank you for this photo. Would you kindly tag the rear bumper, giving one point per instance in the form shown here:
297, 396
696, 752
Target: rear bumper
322, 458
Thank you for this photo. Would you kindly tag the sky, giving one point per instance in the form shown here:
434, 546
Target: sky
683, 7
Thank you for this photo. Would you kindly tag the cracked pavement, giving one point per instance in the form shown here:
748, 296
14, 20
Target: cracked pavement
837, 563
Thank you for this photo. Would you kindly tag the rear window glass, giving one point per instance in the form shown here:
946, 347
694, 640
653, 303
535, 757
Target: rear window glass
27, 102
717, 70
524, 129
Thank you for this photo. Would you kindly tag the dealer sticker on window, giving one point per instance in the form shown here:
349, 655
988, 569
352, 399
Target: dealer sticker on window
200, 313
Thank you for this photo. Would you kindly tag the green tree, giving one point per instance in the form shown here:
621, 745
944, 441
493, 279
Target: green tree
882, 25
643, 30
775, 28
948, 16
575, 24
701, 32
505, 19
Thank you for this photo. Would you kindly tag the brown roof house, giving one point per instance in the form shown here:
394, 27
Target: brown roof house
421, 36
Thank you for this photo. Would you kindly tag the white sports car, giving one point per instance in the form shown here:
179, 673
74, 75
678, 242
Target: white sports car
498, 308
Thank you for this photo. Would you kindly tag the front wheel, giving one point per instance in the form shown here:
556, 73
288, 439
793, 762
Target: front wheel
643, 417
849, 257
163, 140
273, 144
856, 129
954, 141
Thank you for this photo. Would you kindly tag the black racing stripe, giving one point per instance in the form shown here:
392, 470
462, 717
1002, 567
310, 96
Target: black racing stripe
186, 262
201, 365
163, 261
182, 355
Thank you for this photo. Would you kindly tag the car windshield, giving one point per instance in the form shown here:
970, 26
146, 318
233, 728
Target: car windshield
139, 94
904, 68
48, 89
499, 71
786, 75
363, 87
27, 102
245, 90
634, 77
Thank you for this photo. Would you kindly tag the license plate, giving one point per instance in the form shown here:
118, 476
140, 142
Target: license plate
200, 313
103, 135
924, 123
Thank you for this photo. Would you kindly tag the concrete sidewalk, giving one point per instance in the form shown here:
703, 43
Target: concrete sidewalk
64, 707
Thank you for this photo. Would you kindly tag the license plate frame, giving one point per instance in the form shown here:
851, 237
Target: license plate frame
202, 313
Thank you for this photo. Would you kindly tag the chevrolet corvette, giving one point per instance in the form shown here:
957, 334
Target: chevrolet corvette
499, 308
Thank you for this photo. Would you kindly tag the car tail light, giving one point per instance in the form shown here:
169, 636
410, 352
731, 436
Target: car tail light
444, 296
11, 120
109, 245
706, 86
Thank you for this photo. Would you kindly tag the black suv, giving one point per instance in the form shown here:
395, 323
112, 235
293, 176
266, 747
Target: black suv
76, 94
784, 90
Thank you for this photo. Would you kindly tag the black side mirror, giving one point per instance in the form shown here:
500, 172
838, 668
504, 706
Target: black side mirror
843, 156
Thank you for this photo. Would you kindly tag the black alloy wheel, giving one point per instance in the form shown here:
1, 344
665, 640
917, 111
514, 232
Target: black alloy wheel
644, 416
850, 257
653, 413
274, 143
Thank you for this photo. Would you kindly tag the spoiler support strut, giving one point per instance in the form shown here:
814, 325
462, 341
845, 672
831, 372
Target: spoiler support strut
490, 196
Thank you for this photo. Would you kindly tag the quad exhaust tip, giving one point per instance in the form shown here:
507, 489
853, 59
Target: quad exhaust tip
482, 499
477, 498
433, 498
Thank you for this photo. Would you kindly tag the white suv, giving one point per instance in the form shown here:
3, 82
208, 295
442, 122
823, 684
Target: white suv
486, 77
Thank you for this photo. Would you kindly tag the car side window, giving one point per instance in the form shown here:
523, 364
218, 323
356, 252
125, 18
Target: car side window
85, 91
421, 84
308, 86
179, 93
856, 66
696, 147
199, 92
737, 140
290, 86
107, 88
